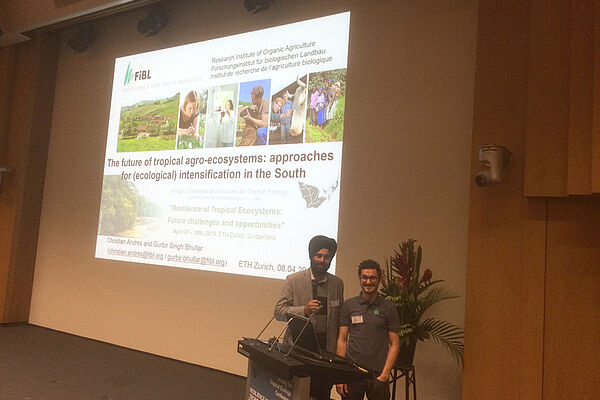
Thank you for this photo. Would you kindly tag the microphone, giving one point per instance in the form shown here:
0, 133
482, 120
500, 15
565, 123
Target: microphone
315, 286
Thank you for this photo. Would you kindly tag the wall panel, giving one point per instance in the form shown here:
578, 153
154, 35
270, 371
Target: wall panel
572, 313
547, 99
505, 270
7, 190
533, 309
579, 150
562, 150
26, 139
596, 103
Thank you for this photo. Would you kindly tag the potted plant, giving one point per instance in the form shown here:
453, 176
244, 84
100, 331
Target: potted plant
413, 293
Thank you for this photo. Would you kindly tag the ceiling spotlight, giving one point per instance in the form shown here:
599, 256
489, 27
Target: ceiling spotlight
255, 6
86, 35
156, 19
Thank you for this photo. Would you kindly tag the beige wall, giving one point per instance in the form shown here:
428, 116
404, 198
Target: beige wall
405, 174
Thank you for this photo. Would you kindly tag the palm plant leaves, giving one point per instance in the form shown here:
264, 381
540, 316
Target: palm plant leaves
433, 296
405, 332
445, 333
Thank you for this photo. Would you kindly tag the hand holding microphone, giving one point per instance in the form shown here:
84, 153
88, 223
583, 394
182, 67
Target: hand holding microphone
313, 306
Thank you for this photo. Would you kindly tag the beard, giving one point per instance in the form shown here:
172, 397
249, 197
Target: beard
319, 268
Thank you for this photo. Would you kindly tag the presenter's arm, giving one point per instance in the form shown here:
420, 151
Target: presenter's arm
340, 350
394, 339
285, 304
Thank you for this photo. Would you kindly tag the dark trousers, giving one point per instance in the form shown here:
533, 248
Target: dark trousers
285, 129
373, 388
320, 390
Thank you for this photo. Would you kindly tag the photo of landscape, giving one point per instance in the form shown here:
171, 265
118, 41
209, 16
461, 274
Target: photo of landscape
149, 125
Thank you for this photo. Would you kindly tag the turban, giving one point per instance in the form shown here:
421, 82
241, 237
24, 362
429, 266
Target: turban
321, 242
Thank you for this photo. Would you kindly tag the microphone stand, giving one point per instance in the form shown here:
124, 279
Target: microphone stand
265, 328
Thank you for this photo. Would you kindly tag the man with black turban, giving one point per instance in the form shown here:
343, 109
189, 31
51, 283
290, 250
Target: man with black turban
317, 294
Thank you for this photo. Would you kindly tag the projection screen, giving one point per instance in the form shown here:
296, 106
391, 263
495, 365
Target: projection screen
225, 155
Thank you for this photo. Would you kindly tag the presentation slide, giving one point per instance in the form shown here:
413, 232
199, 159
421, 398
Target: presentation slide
225, 155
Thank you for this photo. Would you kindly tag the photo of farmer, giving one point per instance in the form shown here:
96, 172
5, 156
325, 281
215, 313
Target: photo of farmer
325, 122
148, 124
292, 115
192, 116
221, 118
253, 113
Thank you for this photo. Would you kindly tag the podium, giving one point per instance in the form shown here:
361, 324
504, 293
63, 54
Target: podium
273, 375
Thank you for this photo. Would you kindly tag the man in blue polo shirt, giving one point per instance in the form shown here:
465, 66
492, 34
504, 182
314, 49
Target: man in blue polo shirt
286, 117
368, 335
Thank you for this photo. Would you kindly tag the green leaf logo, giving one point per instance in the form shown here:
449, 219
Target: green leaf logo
128, 74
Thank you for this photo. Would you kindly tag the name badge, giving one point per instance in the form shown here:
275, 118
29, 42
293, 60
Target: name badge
357, 319
334, 303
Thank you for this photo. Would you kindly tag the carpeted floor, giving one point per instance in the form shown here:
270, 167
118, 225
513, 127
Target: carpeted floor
41, 364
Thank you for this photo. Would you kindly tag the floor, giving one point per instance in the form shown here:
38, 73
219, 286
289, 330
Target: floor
38, 363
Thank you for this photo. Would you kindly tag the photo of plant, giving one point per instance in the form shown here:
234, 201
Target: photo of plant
148, 125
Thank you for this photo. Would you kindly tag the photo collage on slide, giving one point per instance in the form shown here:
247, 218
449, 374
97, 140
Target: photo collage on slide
308, 109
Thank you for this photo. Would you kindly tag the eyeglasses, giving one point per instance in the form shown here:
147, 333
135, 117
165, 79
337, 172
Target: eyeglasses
372, 278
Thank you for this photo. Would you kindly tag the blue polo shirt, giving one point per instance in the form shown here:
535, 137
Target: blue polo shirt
368, 326
285, 108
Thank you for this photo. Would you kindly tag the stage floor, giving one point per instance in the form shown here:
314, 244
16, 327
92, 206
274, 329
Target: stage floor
38, 364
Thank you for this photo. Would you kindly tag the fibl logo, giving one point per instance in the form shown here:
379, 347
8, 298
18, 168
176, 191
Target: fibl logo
136, 76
